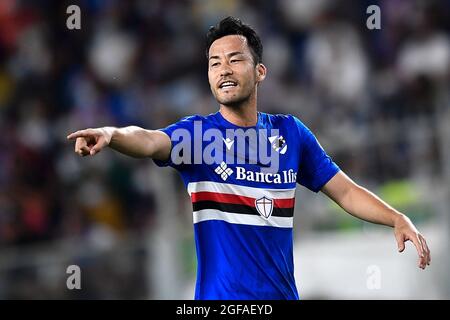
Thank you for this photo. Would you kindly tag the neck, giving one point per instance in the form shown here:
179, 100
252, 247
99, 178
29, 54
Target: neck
243, 115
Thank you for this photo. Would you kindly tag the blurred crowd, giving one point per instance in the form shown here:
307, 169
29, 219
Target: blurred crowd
143, 63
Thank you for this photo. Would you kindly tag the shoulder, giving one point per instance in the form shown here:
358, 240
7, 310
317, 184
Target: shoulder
293, 124
288, 120
275, 117
192, 118
188, 122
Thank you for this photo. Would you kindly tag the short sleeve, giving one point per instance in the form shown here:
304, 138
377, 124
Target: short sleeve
316, 168
178, 132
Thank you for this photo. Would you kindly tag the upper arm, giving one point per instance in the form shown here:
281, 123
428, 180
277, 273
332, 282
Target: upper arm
161, 145
168, 138
338, 187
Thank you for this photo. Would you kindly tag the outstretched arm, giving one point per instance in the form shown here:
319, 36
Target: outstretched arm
133, 141
363, 204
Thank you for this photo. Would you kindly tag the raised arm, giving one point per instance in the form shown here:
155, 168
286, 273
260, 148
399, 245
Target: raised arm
363, 204
132, 141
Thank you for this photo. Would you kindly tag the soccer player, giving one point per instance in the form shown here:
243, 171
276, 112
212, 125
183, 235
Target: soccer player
242, 212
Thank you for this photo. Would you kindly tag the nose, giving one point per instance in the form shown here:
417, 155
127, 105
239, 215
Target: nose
225, 70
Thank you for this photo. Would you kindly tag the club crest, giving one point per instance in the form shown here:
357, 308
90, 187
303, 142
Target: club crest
264, 206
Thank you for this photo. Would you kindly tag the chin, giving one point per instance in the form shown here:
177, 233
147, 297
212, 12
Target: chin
231, 101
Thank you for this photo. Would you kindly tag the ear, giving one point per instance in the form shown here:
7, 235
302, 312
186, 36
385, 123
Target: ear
261, 72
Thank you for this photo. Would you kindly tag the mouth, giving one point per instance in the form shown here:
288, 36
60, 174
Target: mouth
227, 85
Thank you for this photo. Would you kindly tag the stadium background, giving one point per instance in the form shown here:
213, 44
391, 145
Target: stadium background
378, 100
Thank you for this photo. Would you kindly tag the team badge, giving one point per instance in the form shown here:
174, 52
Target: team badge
278, 144
264, 206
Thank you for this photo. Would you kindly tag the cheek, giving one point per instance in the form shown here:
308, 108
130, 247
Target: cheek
211, 78
250, 78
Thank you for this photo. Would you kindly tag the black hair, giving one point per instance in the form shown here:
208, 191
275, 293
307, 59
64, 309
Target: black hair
234, 26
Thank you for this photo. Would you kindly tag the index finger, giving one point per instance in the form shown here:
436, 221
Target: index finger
420, 251
425, 248
79, 133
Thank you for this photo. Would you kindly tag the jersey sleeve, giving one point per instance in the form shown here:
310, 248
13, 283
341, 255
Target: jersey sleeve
316, 168
179, 132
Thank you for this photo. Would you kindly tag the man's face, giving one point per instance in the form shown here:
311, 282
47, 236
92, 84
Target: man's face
232, 72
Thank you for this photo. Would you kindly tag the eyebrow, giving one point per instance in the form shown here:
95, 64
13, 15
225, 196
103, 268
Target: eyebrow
234, 53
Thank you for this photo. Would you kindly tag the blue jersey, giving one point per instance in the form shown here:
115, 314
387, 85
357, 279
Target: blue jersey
243, 217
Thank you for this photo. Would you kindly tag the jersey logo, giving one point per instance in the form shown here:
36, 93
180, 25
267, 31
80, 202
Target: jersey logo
228, 142
278, 144
264, 206
223, 171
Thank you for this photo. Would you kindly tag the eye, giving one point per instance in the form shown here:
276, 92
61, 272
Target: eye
235, 60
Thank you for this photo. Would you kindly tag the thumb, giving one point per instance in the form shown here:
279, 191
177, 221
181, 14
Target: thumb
98, 146
400, 243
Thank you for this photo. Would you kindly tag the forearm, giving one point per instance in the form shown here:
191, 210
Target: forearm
135, 141
363, 204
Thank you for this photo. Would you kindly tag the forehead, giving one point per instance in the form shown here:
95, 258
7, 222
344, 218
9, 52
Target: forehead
228, 44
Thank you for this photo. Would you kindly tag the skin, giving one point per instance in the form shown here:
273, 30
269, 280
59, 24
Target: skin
230, 59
